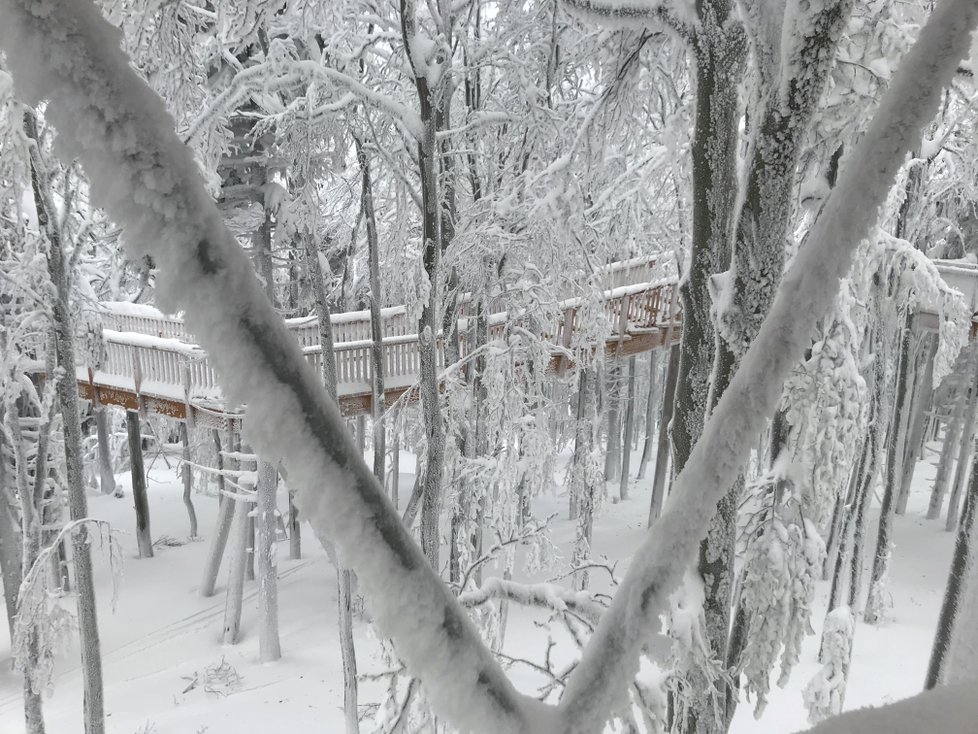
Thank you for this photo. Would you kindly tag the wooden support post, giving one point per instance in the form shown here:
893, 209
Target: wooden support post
269, 646
144, 538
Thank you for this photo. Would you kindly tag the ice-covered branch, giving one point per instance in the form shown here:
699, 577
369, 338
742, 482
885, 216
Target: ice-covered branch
546, 596
147, 180
275, 76
611, 660
678, 15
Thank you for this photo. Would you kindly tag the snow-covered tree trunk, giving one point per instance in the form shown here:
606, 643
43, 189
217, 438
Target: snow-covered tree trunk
269, 647
378, 404
30, 549
720, 52
140, 500
67, 392
962, 566
432, 107
10, 543
188, 480
881, 558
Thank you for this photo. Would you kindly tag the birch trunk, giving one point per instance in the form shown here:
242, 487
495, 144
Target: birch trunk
433, 108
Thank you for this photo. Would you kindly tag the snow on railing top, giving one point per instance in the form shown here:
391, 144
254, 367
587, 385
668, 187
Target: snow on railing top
150, 353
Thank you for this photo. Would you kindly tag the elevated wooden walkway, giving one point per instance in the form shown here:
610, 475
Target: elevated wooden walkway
153, 365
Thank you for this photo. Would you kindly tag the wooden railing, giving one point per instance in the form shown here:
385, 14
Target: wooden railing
151, 357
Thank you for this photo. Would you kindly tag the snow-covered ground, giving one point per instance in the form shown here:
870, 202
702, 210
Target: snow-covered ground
163, 635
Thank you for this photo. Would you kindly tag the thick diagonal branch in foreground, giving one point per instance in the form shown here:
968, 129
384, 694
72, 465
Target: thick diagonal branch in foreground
147, 180
611, 660
150, 185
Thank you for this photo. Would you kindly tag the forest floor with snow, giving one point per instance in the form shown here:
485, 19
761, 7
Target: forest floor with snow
166, 671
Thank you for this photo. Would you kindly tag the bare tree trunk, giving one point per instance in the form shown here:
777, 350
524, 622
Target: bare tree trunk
395, 461
923, 389
188, 480
584, 489
629, 425
649, 419
662, 450
966, 448
378, 404
67, 389
612, 457
144, 538
946, 461
268, 641
10, 550
345, 601
106, 475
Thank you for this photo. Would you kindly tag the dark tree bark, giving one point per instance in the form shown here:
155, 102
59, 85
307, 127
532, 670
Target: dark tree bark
144, 538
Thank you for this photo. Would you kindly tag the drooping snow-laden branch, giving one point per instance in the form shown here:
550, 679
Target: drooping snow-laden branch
147, 180
948, 709
277, 75
611, 660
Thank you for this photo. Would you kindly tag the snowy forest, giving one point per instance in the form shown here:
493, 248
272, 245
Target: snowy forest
489, 366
